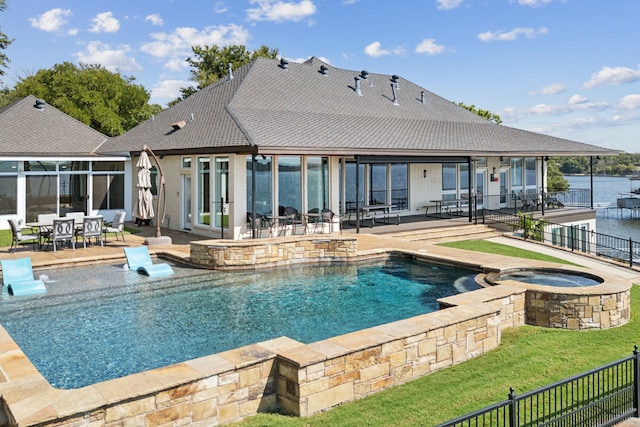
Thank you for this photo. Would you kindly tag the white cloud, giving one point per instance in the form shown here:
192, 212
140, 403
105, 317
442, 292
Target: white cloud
113, 60
512, 35
429, 47
176, 64
448, 4
52, 20
551, 89
170, 89
72, 32
630, 102
176, 46
220, 7
577, 99
155, 19
532, 3
375, 50
612, 76
105, 23
280, 11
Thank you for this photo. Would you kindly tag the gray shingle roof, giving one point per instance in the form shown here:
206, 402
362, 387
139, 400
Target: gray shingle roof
28, 131
300, 110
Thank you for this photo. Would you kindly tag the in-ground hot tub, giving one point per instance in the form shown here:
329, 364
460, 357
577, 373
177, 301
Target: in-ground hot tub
568, 298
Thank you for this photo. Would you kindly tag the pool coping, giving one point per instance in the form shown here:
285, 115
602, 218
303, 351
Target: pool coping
33, 401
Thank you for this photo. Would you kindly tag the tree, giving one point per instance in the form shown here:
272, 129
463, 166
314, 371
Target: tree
492, 117
108, 102
211, 63
4, 43
555, 180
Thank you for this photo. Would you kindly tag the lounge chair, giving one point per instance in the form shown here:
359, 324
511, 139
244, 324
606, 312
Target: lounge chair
139, 259
19, 237
17, 277
117, 226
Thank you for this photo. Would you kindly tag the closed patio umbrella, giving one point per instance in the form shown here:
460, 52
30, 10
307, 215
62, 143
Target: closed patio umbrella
144, 207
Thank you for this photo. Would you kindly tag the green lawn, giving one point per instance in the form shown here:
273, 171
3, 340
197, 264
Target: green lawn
5, 236
528, 358
500, 249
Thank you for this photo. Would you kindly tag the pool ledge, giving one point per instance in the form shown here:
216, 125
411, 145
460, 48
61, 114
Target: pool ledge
279, 374
602, 306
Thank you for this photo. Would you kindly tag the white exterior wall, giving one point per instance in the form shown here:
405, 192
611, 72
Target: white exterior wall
422, 190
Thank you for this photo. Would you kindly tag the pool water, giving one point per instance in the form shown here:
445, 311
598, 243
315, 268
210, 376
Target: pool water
103, 322
551, 278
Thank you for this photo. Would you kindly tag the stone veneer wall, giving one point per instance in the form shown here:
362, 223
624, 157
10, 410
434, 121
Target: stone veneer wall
571, 311
228, 254
280, 373
318, 376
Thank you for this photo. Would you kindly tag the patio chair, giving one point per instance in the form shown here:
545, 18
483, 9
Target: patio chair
117, 226
326, 217
91, 227
18, 237
47, 227
139, 259
525, 202
262, 223
77, 216
17, 277
292, 218
63, 231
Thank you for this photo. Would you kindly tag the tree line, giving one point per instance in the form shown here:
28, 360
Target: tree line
624, 164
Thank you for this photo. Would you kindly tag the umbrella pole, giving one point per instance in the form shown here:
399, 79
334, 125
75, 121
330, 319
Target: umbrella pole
159, 239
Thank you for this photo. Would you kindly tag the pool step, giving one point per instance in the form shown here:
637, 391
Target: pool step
448, 234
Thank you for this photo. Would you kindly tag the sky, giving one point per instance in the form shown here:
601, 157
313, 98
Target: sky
567, 68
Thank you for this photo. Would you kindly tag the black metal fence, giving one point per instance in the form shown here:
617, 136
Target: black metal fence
601, 397
574, 237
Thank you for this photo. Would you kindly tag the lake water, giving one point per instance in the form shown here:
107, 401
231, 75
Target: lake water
606, 189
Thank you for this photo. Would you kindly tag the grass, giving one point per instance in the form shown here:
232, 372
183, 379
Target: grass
500, 249
5, 236
528, 358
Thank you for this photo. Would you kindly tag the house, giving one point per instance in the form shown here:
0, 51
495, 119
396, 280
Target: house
273, 134
300, 131
49, 164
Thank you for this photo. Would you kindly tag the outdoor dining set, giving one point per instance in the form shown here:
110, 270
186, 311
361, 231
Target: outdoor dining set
291, 222
51, 230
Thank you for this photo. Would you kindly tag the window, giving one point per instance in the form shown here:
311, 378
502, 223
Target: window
73, 166
290, 182
41, 195
8, 188
400, 186
449, 181
349, 185
530, 175
107, 185
222, 192
264, 185
186, 163
378, 184
516, 175
107, 166
317, 183
204, 191
108, 191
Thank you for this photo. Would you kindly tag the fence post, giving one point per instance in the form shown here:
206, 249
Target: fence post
636, 380
630, 252
513, 407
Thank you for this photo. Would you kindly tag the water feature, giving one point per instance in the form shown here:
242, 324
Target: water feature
550, 277
101, 322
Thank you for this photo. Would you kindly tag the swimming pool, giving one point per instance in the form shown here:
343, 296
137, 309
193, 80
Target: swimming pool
102, 322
